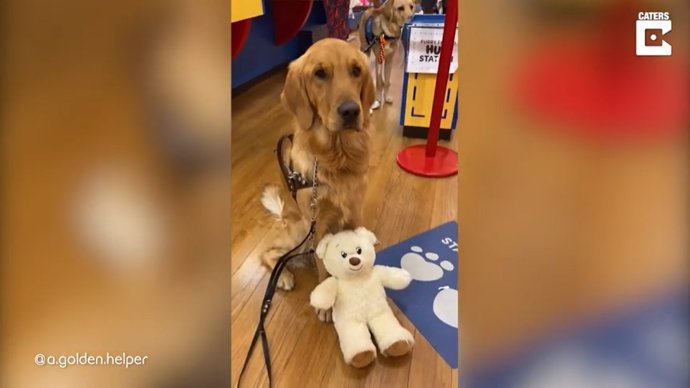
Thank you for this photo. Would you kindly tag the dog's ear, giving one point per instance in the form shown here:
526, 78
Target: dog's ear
366, 234
323, 244
368, 93
389, 10
294, 95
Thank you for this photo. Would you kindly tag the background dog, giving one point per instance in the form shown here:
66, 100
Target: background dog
386, 20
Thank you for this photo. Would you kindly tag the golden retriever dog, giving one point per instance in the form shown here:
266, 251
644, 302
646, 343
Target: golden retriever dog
388, 21
329, 90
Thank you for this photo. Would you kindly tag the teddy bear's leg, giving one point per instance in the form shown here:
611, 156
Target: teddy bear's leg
355, 343
393, 339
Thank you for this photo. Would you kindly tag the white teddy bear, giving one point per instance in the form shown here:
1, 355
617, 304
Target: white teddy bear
356, 293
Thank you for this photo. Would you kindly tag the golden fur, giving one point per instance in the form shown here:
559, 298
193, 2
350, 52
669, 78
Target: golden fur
329, 74
387, 20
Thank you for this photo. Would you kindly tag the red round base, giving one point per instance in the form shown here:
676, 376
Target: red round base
413, 159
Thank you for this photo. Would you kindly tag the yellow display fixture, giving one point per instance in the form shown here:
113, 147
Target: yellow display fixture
419, 98
245, 9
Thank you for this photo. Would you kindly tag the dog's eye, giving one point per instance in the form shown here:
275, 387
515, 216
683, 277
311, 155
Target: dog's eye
343, 254
359, 250
320, 73
412, 7
356, 71
401, 8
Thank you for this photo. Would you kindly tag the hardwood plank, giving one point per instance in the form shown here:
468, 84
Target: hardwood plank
285, 328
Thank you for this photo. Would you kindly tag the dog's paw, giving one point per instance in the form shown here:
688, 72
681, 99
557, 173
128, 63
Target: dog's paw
389, 100
286, 280
376, 105
325, 315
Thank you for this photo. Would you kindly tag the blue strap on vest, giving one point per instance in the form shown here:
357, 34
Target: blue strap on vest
368, 33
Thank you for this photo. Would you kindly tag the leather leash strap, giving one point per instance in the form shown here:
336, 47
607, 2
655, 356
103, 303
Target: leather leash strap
260, 331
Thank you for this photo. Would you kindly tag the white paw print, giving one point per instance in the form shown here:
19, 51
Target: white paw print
422, 270
446, 306
445, 303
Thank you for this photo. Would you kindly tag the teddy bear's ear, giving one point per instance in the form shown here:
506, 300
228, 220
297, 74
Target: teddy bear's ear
364, 232
323, 244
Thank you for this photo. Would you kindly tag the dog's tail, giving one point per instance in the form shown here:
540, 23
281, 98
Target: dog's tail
271, 200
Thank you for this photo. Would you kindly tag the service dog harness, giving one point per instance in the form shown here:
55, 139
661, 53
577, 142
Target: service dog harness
295, 182
372, 39
293, 179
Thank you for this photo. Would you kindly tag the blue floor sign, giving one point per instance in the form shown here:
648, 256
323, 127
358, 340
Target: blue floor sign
431, 300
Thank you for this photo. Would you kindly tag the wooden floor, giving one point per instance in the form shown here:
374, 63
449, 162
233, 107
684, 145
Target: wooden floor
304, 351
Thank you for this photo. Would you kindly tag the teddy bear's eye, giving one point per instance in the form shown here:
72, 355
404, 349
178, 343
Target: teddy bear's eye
359, 250
343, 254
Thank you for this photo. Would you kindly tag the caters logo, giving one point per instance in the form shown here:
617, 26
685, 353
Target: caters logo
651, 27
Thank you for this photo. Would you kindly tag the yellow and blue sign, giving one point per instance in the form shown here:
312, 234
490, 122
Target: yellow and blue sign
418, 93
418, 88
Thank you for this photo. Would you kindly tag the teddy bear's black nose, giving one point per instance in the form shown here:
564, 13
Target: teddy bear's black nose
354, 260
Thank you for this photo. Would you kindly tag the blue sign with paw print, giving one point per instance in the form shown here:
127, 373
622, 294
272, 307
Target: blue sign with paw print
431, 300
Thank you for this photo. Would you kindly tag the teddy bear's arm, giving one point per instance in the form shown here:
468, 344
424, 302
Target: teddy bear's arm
393, 278
323, 296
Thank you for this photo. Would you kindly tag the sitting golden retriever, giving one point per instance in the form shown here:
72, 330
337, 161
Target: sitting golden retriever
386, 21
329, 90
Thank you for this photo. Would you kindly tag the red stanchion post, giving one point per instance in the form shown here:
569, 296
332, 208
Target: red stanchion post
449, 30
430, 160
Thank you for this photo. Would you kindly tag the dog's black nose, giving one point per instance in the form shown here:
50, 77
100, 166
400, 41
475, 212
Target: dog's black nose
354, 260
348, 110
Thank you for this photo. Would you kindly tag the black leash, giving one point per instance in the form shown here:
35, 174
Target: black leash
260, 331
266, 305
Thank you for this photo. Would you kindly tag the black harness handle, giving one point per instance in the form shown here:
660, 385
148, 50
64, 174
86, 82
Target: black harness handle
376, 40
293, 180
266, 305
